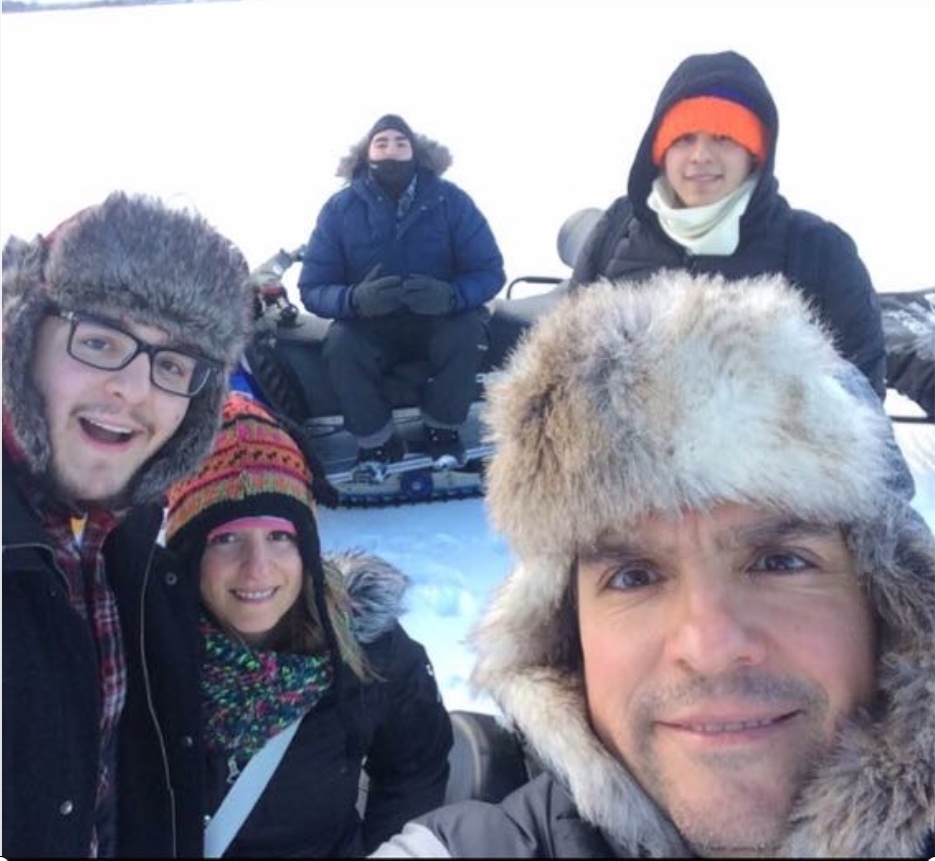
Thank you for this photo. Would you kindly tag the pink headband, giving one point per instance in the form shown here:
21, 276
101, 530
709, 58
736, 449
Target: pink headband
278, 523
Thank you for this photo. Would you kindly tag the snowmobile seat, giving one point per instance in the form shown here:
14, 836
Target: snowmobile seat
574, 233
510, 318
572, 236
487, 761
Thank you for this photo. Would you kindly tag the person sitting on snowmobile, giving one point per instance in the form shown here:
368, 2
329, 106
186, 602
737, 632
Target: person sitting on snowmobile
702, 196
403, 261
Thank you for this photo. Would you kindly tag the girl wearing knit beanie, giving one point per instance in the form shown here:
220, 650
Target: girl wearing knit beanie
292, 638
702, 196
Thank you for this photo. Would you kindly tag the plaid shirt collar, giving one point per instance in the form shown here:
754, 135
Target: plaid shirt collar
81, 559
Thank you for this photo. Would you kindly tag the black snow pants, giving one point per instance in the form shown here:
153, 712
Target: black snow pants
360, 353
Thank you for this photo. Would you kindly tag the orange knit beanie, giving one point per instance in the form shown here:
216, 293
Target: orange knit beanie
715, 116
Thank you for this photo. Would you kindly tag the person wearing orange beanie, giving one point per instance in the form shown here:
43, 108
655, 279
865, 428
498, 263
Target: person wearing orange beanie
702, 196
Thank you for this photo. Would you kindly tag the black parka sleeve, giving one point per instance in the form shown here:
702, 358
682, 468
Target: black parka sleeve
848, 303
407, 764
591, 264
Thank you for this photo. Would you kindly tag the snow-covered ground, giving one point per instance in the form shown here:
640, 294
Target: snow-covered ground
455, 562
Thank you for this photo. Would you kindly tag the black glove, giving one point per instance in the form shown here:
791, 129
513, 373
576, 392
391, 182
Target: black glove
425, 295
377, 297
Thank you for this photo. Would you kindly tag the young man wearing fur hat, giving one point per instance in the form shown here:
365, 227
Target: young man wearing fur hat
119, 329
702, 196
720, 634
404, 262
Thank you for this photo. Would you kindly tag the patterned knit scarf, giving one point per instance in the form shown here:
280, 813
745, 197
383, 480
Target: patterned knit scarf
249, 695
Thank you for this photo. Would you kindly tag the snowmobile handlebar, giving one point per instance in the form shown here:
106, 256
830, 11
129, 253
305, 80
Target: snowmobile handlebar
269, 291
530, 279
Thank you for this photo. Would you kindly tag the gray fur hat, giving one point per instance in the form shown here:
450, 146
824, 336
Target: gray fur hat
130, 256
682, 393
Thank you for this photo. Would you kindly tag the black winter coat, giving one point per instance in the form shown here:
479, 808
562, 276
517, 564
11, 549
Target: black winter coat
50, 696
396, 726
628, 242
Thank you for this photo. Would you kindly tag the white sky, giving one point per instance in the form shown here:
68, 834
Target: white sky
243, 109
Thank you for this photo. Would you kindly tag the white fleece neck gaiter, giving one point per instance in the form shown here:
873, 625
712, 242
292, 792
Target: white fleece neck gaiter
711, 229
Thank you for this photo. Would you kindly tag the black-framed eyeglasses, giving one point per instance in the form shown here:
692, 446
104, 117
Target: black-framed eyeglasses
101, 344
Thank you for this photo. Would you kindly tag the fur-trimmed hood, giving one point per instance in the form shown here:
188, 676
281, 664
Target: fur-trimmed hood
624, 400
376, 590
129, 256
430, 156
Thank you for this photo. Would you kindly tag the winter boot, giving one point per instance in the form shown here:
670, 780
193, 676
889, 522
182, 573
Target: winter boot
444, 446
375, 460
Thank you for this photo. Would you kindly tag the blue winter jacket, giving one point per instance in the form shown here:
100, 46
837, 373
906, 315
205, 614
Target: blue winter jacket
443, 235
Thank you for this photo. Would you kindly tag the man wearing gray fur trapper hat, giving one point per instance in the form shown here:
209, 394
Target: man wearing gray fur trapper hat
100, 642
719, 637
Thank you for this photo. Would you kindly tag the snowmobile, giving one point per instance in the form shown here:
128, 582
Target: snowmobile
283, 367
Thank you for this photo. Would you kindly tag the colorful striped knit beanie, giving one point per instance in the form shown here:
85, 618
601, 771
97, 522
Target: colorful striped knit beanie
719, 112
255, 469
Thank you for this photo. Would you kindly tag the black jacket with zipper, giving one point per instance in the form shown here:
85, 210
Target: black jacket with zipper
51, 704
394, 731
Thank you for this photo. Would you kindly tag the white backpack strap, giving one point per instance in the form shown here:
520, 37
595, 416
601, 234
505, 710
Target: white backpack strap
243, 795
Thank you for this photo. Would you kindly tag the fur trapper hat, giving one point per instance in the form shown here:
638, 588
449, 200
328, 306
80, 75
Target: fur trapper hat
682, 393
130, 256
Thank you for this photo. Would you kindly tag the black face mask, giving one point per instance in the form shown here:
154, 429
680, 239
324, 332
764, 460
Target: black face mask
393, 176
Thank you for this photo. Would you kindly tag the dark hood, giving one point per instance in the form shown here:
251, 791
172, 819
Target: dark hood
694, 76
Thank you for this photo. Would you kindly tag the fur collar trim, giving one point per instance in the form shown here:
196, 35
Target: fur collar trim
430, 156
376, 589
